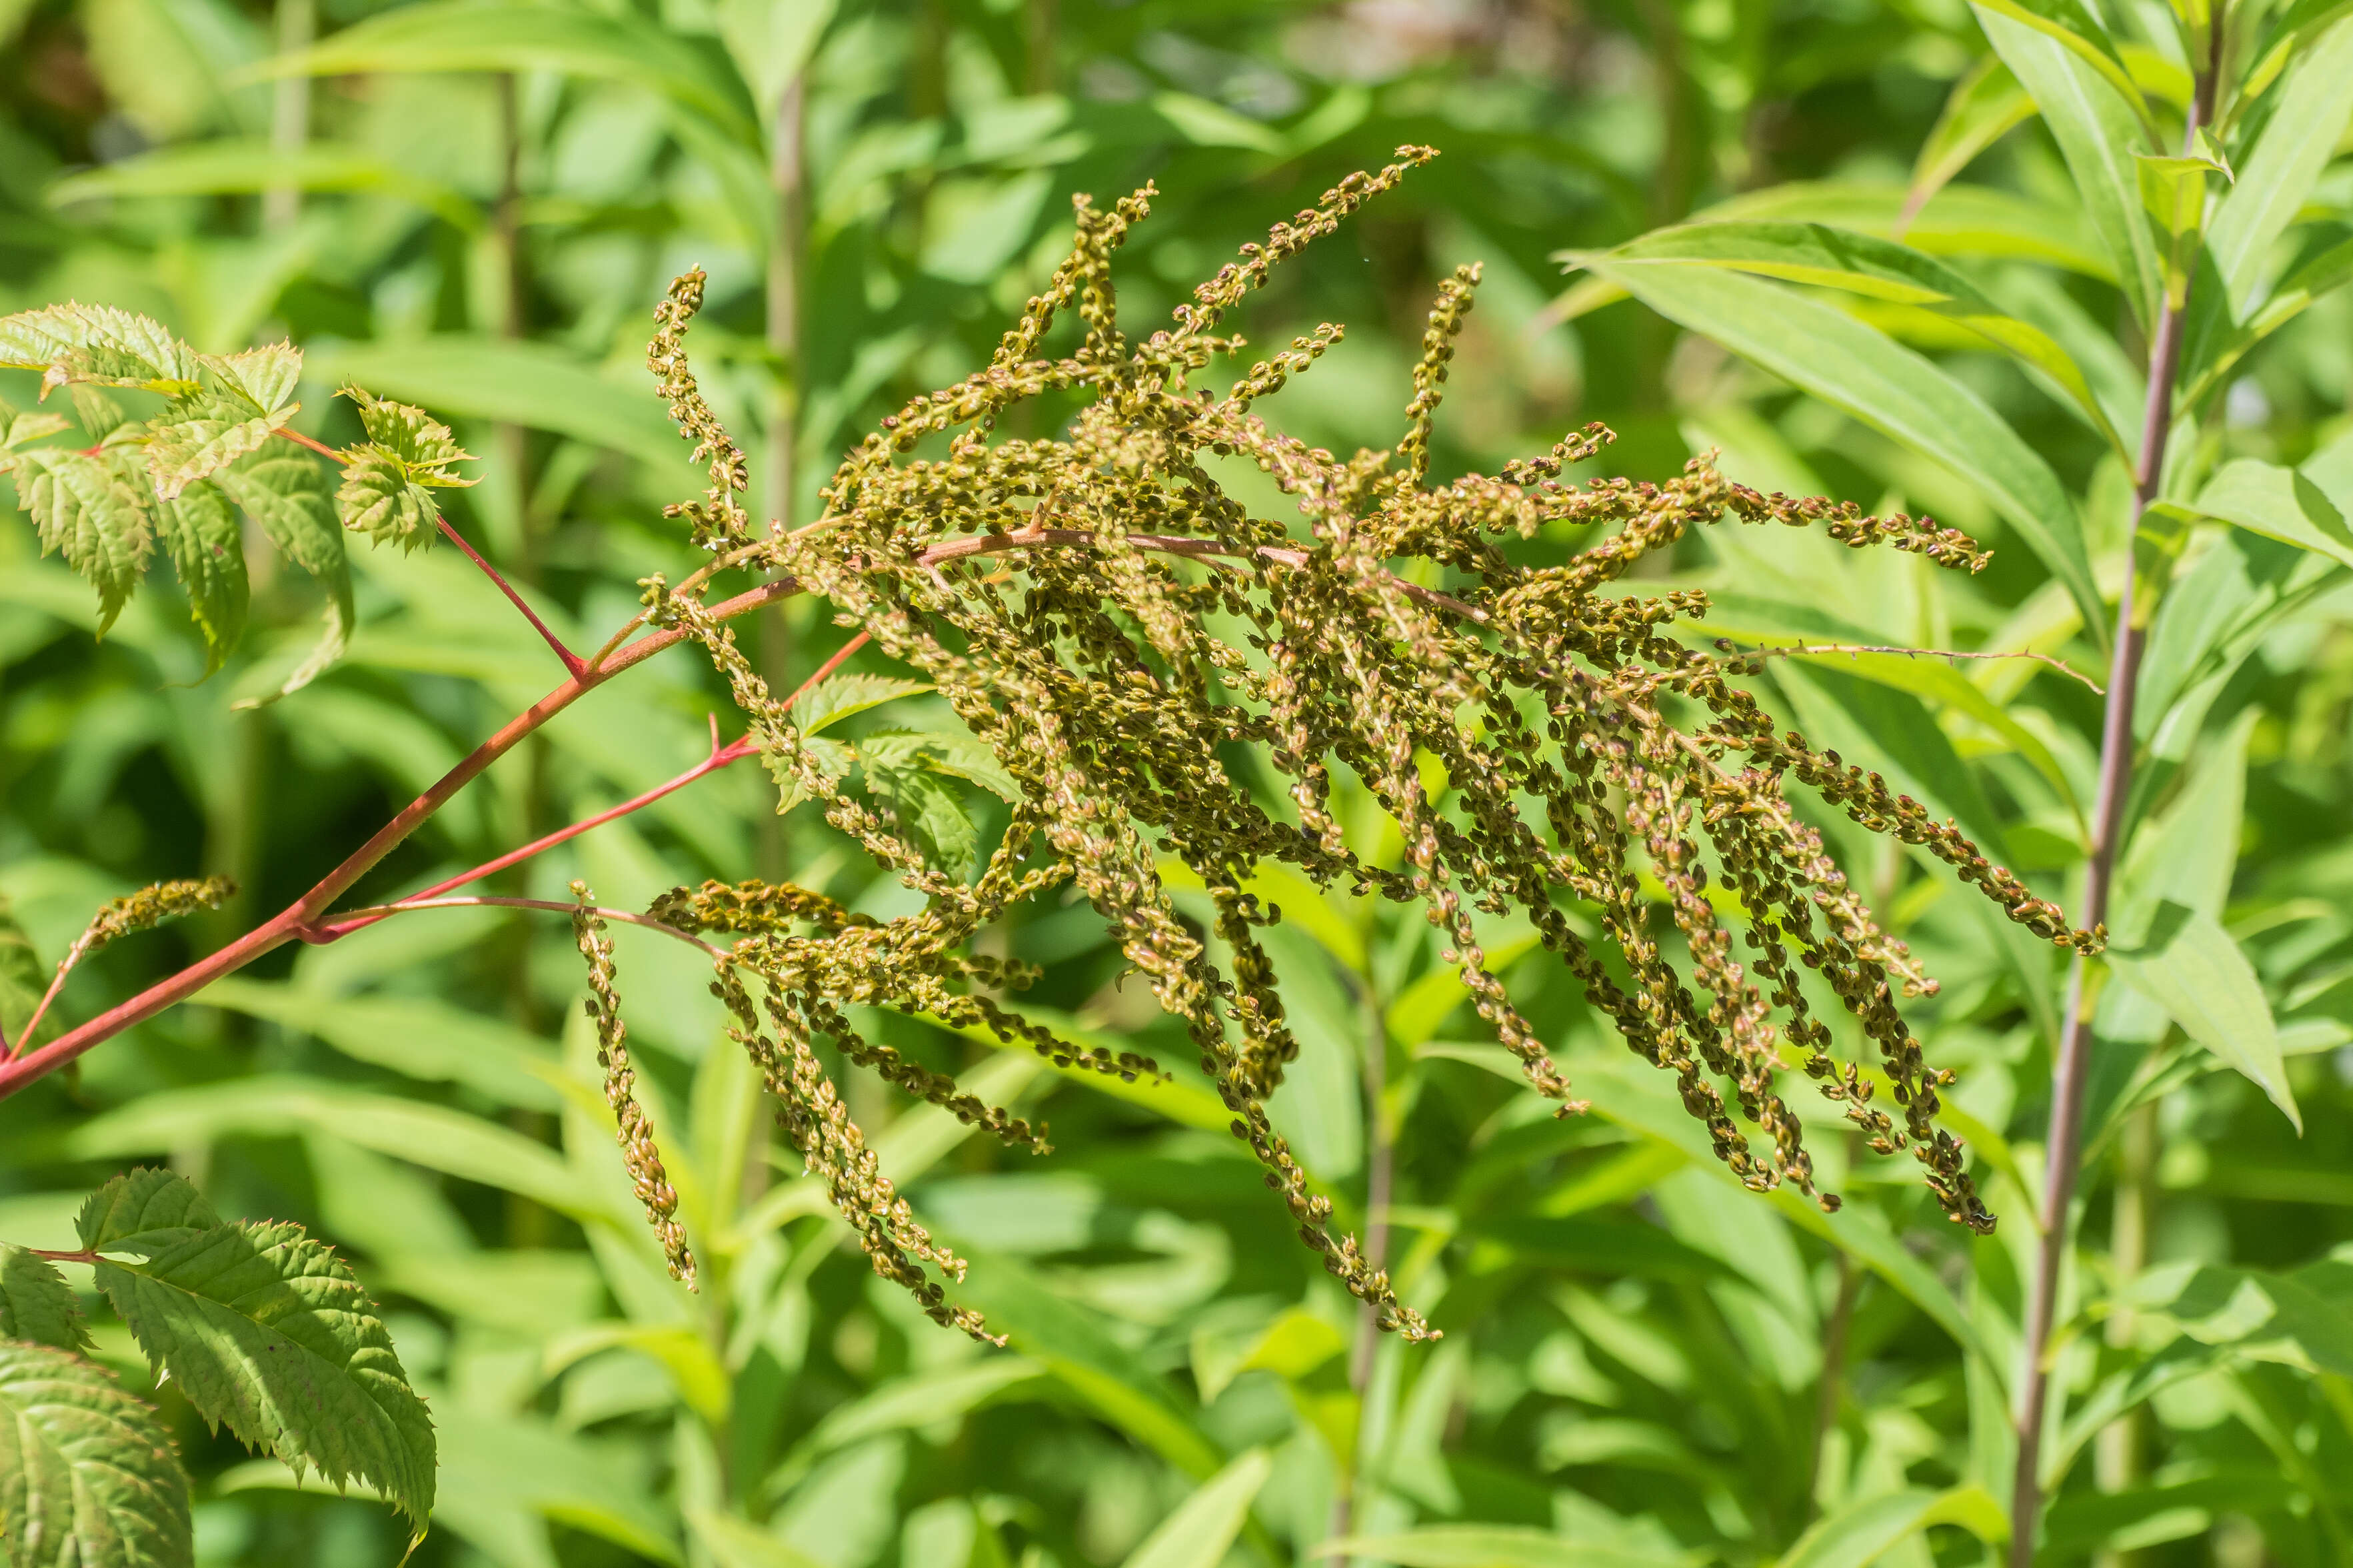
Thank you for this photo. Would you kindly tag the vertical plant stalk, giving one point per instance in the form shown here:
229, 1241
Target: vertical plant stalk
1833, 1386
788, 184
2071, 1070
289, 111
1380, 1172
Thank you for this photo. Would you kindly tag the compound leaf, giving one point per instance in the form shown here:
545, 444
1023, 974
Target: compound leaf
88, 1478
197, 437
267, 1333
410, 436
263, 379
36, 1303
73, 342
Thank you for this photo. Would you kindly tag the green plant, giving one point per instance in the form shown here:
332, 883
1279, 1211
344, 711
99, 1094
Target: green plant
1094, 697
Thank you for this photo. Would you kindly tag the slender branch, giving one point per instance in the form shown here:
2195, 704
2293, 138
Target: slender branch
1380, 1176
319, 447
572, 663
343, 925
287, 924
366, 917
2070, 672
78, 1254
2071, 1070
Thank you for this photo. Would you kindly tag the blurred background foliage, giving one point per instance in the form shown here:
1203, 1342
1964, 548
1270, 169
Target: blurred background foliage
476, 208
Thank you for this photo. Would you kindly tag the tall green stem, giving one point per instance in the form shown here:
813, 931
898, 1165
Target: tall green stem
289, 111
1380, 1170
2071, 1071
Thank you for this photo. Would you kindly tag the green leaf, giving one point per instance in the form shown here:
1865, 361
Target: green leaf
100, 345
1878, 270
201, 534
2278, 176
1959, 220
460, 35
266, 1332
2191, 967
410, 436
2097, 134
1491, 1546
1863, 1533
771, 42
837, 697
36, 1304
415, 1036
1859, 369
1203, 1529
951, 752
19, 427
197, 437
286, 496
145, 1211
378, 499
736, 1543
87, 509
1983, 107
2216, 346
2073, 28
539, 385
2278, 503
430, 1135
226, 167
87, 1476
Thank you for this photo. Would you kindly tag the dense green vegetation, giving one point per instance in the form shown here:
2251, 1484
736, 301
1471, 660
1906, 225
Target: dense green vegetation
1920, 295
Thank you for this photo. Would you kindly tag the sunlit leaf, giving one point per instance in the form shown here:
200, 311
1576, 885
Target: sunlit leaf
87, 1476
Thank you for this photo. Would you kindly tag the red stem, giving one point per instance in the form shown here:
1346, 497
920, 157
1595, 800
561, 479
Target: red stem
628, 917
319, 447
572, 663
289, 923
345, 924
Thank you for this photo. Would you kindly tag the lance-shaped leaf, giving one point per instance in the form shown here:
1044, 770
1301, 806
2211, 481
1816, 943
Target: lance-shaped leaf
2073, 28
36, 1304
267, 1333
456, 35
1878, 270
2216, 344
1857, 368
2296, 145
2280, 503
200, 532
2190, 966
228, 165
88, 1478
87, 509
1982, 107
2097, 135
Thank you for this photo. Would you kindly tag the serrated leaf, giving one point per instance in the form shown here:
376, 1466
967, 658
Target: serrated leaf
953, 753
287, 496
86, 510
87, 1476
837, 697
201, 533
266, 1332
409, 437
36, 1304
926, 809
76, 342
263, 379
20, 425
198, 438
143, 1211
377, 498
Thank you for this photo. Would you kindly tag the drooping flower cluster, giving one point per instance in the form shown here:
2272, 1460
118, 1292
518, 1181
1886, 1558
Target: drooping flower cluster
1113, 627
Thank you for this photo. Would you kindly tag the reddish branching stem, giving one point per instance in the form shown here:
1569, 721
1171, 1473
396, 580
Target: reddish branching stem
572, 663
